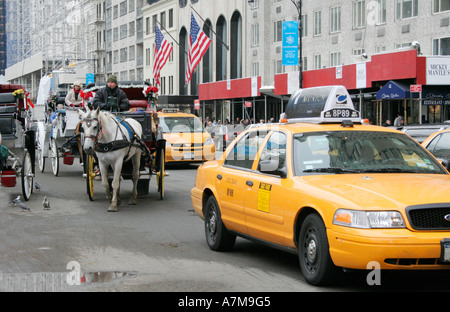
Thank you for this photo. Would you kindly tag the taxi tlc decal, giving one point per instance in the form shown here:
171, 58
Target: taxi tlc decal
264, 196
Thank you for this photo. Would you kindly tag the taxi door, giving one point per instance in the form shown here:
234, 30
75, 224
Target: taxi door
232, 177
264, 202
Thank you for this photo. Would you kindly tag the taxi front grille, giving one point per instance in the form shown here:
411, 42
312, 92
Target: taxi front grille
404, 262
428, 217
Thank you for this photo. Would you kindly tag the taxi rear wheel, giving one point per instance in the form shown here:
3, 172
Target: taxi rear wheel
313, 251
217, 236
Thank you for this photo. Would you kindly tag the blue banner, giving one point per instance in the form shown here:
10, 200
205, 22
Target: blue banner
290, 43
89, 78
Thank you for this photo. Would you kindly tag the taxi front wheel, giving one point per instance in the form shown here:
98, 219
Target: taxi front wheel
217, 236
313, 251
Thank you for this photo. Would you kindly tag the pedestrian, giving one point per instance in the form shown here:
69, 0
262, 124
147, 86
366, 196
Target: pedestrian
111, 97
74, 98
398, 122
387, 123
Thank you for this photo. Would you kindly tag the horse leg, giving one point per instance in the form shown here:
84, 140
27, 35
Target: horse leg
136, 160
104, 176
117, 168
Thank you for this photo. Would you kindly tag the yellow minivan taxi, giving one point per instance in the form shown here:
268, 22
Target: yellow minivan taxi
186, 138
326, 186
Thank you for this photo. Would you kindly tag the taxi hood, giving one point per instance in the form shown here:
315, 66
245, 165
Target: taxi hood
186, 137
378, 191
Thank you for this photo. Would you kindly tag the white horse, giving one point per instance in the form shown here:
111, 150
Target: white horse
113, 144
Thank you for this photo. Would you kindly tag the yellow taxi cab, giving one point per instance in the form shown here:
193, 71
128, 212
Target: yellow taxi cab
336, 191
186, 138
438, 144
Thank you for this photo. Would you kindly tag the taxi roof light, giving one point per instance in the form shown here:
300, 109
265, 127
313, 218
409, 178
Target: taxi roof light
326, 104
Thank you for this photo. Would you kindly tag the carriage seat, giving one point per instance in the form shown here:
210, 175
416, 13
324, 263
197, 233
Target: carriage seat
138, 103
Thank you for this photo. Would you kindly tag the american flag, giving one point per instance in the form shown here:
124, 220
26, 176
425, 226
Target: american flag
198, 44
162, 52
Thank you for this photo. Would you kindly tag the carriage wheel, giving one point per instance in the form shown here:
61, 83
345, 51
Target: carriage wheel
40, 157
90, 175
27, 175
160, 175
55, 158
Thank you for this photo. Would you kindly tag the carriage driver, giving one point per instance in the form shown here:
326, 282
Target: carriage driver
111, 97
74, 98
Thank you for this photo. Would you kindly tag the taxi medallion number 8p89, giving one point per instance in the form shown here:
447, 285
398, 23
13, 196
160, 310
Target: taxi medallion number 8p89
336, 191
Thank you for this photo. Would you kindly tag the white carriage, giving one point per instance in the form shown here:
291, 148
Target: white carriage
57, 137
17, 131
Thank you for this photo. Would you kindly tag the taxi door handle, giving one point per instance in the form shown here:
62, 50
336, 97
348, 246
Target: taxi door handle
249, 183
219, 176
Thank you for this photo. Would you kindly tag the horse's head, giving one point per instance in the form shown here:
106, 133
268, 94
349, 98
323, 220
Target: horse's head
92, 129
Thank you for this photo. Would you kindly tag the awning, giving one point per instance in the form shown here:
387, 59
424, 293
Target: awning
436, 95
395, 90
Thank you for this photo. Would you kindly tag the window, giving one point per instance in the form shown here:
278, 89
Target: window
123, 31
359, 14
182, 3
123, 8
358, 52
317, 61
243, 153
381, 11
123, 55
255, 69
335, 19
441, 6
171, 54
115, 11
441, 46
407, 8
147, 26
131, 29
170, 18
154, 22
255, 34
254, 4
273, 156
115, 34
277, 31
147, 57
379, 49
116, 57
163, 20
278, 67
131, 53
335, 59
131, 6
402, 45
317, 23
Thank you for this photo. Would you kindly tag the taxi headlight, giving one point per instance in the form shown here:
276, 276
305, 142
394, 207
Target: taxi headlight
368, 219
168, 144
209, 141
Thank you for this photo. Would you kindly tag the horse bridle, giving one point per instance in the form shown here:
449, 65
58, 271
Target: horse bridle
99, 130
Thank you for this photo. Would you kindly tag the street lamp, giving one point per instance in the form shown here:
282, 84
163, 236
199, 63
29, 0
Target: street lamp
298, 5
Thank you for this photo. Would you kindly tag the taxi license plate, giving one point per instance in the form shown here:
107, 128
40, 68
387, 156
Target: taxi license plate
445, 250
189, 155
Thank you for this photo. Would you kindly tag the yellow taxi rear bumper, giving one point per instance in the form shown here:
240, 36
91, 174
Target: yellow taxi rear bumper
388, 248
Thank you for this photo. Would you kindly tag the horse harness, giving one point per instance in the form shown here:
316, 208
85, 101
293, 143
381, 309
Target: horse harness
116, 144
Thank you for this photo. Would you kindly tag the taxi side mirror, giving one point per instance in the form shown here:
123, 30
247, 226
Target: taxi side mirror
270, 166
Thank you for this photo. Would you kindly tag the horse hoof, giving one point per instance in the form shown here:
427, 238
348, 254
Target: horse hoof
113, 209
132, 202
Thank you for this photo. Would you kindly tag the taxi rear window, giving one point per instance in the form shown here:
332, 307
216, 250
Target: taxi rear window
181, 124
360, 152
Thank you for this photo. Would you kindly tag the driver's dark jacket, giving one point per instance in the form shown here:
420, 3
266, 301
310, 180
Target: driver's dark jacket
120, 103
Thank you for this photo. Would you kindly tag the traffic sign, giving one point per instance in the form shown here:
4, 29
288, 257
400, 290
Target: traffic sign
416, 88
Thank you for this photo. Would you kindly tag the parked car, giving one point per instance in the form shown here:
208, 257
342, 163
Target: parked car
421, 132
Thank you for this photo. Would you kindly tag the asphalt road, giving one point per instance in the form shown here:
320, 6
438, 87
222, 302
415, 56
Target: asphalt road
157, 245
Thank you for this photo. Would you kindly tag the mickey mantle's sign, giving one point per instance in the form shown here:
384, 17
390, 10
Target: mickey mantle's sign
438, 70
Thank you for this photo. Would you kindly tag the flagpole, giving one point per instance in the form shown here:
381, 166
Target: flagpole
162, 27
206, 24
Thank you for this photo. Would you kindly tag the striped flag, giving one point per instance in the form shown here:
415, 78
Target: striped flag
162, 51
198, 44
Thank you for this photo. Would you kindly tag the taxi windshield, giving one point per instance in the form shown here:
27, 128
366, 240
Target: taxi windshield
181, 124
360, 152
